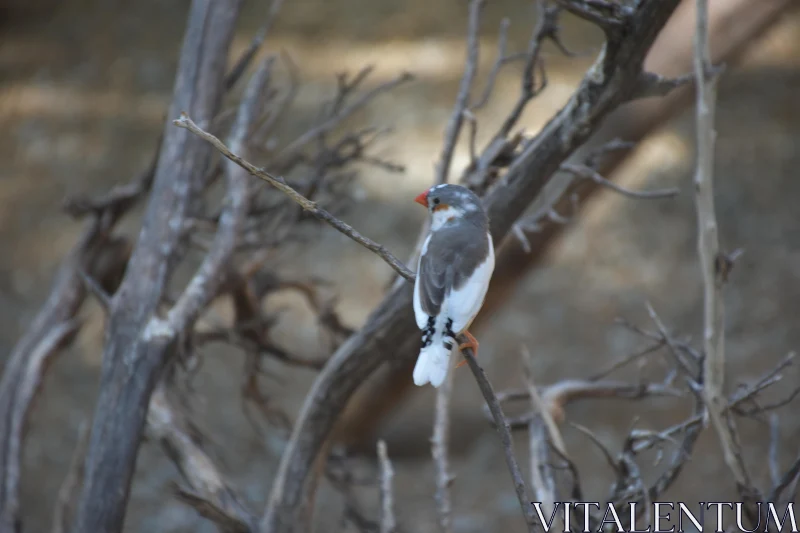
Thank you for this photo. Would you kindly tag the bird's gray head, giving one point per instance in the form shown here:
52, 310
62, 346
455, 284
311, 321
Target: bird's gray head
452, 203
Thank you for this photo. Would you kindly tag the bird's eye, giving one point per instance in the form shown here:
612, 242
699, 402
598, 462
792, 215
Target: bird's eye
435, 201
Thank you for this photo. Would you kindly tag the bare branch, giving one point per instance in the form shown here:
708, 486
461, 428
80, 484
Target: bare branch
774, 437
503, 429
440, 444
586, 172
96, 290
675, 349
547, 410
652, 84
239, 68
462, 99
502, 59
206, 282
791, 476
557, 396
709, 251
541, 429
344, 113
608, 15
305, 203
209, 493
17, 416
388, 522
138, 343
602, 447
501, 147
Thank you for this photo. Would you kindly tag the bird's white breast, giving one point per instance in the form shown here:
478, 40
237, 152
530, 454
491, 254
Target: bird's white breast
464, 303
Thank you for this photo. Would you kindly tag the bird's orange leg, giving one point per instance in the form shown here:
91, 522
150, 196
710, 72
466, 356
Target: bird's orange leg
472, 342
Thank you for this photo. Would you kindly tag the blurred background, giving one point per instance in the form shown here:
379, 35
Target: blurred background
84, 88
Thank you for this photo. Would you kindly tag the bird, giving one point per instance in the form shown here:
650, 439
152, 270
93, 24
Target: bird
455, 266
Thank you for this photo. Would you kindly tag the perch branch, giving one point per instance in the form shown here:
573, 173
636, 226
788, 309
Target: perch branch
504, 430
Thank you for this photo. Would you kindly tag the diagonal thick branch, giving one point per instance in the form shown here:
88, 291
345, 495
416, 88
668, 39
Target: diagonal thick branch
138, 342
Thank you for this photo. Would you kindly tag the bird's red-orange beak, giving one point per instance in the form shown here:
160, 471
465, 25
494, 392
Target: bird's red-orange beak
422, 199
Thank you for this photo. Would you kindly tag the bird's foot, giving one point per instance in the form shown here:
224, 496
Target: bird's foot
472, 342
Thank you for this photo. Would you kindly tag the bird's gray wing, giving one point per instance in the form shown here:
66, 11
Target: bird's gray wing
434, 278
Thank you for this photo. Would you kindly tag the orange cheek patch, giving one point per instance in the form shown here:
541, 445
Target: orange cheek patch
441, 206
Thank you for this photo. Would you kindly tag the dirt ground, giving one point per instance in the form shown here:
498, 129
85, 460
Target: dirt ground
84, 86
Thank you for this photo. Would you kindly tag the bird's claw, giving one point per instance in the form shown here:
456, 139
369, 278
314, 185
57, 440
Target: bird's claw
472, 342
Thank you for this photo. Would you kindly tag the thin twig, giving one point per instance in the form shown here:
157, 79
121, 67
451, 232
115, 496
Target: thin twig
791, 476
774, 455
239, 68
462, 100
709, 251
302, 201
344, 113
586, 172
545, 409
502, 59
388, 521
541, 429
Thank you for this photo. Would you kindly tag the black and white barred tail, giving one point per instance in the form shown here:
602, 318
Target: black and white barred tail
433, 362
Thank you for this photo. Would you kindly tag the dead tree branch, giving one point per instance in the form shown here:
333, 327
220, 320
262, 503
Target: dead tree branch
138, 340
54, 328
